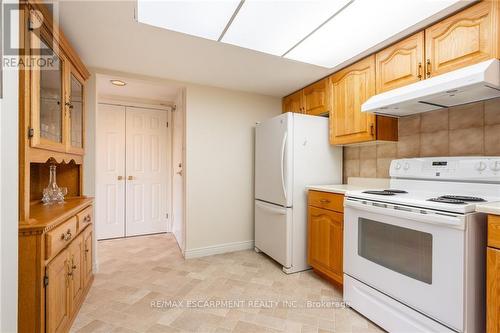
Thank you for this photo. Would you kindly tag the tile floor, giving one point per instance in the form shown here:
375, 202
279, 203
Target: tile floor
144, 285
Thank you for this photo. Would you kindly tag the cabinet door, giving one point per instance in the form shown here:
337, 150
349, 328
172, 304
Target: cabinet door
76, 251
87, 256
293, 103
47, 93
493, 290
316, 98
57, 299
466, 38
76, 112
400, 64
351, 87
325, 242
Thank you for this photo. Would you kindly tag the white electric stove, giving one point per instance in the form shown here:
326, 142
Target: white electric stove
414, 254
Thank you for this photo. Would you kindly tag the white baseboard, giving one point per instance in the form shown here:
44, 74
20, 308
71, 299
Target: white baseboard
218, 249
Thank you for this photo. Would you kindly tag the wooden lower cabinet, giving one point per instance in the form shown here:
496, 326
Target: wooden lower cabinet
76, 271
493, 290
493, 275
325, 236
57, 293
55, 267
87, 255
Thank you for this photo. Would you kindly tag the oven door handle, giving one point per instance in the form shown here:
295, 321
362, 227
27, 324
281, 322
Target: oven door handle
431, 217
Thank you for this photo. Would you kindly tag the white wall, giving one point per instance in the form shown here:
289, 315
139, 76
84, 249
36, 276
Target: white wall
9, 124
220, 166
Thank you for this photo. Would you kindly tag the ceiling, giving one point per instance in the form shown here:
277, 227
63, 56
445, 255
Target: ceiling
106, 35
137, 89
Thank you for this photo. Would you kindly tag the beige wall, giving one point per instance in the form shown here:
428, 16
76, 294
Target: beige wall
472, 129
219, 160
219, 153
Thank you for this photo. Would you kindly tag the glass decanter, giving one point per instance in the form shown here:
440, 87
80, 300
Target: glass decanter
53, 193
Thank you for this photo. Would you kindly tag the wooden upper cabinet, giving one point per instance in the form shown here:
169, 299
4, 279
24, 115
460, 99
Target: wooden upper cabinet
294, 102
316, 98
54, 86
400, 64
466, 38
351, 87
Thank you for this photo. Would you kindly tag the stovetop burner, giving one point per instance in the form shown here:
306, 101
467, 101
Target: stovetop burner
383, 192
463, 198
396, 191
448, 201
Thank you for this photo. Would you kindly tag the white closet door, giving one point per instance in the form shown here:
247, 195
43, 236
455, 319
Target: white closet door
147, 172
110, 163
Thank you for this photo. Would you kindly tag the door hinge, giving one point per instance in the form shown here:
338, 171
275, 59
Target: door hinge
167, 215
45, 281
167, 124
31, 132
174, 108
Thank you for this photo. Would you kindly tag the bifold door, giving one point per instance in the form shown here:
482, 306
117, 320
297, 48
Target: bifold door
132, 171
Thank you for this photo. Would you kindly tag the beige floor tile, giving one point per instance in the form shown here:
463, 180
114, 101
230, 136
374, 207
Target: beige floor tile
144, 285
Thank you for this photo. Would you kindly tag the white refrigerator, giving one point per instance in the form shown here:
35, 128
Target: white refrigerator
291, 151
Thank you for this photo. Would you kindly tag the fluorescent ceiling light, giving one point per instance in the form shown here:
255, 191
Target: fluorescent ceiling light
276, 26
202, 18
363, 25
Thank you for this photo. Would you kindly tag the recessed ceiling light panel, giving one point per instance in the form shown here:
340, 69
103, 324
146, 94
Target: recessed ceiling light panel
202, 18
363, 25
276, 26
118, 83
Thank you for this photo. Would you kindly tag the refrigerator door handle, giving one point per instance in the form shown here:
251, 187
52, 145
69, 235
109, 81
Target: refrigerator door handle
283, 145
271, 208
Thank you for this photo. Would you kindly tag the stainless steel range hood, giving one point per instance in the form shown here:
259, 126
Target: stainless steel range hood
466, 85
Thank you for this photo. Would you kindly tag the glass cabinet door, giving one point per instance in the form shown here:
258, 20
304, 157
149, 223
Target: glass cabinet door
50, 101
76, 96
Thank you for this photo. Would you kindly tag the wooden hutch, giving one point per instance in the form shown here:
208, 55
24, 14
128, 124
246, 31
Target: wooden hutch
55, 241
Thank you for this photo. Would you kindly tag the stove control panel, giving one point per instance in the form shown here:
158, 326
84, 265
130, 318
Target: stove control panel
448, 168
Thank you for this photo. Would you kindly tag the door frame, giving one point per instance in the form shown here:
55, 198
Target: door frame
180, 107
144, 105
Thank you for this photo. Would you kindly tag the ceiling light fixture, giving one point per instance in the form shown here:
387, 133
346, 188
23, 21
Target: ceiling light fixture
118, 83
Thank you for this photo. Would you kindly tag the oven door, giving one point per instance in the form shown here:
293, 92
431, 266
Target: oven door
414, 256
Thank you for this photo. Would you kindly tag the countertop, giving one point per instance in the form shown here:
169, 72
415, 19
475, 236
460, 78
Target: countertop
339, 188
489, 208
353, 184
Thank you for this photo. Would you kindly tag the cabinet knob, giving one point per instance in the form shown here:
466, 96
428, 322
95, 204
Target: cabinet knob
120, 177
130, 178
73, 267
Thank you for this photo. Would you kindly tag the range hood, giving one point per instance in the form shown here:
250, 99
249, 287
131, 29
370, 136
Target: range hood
466, 85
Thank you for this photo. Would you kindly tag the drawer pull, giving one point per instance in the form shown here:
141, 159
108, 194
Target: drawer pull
86, 250
67, 236
325, 201
87, 218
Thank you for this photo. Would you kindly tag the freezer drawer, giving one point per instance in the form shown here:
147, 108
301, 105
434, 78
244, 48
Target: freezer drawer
273, 231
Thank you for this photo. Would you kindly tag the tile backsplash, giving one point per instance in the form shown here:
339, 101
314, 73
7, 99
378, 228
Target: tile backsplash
472, 129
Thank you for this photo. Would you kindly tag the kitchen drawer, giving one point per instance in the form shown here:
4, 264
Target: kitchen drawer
494, 231
326, 200
85, 217
57, 239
